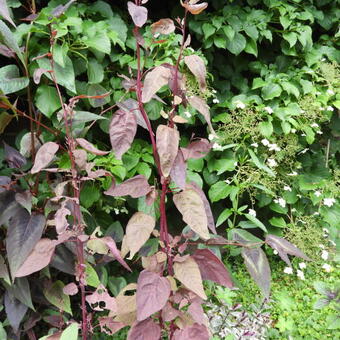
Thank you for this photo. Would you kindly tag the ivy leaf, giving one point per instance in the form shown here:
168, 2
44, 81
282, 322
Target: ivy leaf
144, 330
212, 268
139, 14
23, 234
44, 156
153, 292
188, 273
237, 44
167, 141
271, 91
55, 295
135, 187
122, 131
47, 100
191, 206
10, 81
197, 67
257, 264
138, 231
163, 26
193, 332
153, 81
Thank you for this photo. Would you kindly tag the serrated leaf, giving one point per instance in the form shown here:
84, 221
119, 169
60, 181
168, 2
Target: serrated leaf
191, 206
257, 264
55, 295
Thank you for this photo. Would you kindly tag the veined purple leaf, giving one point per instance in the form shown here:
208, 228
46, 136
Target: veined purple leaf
70, 289
4, 12
13, 157
144, 330
197, 149
202, 107
44, 156
122, 130
15, 311
153, 292
23, 234
101, 295
163, 26
139, 14
197, 67
135, 187
109, 326
132, 106
194, 332
197, 313
38, 73
257, 264
283, 247
178, 171
90, 147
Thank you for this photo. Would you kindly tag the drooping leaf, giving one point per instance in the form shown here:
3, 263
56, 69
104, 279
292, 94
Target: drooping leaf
44, 156
193, 7
167, 141
188, 273
244, 237
13, 157
202, 107
191, 206
153, 292
4, 12
111, 244
4, 271
283, 247
122, 130
197, 67
23, 234
163, 26
196, 311
135, 187
37, 75
179, 170
196, 149
193, 332
212, 268
207, 208
256, 221
257, 264
132, 106
90, 147
144, 330
139, 14
138, 231
71, 332
55, 295
153, 81
59, 10
24, 199
21, 291
60, 219
15, 311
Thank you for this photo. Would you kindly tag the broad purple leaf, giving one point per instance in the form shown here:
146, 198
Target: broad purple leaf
196, 311
24, 199
90, 147
60, 219
135, 187
208, 212
153, 292
4, 181
122, 130
4, 271
100, 300
283, 247
70, 289
144, 330
197, 149
44, 156
178, 171
212, 268
13, 157
23, 234
194, 332
139, 14
197, 67
132, 106
7, 52
37, 74
61, 9
163, 26
4, 12
109, 326
15, 311
257, 264
202, 107
21, 291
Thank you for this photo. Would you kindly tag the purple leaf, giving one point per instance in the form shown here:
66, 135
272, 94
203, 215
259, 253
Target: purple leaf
197, 149
194, 332
15, 311
4, 181
257, 264
122, 130
44, 156
135, 187
196, 311
23, 234
37, 74
90, 147
132, 106
4, 12
178, 171
202, 107
283, 247
144, 330
212, 268
61, 9
7, 52
102, 296
153, 292
13, 157
109, 326
197, 67
139, 14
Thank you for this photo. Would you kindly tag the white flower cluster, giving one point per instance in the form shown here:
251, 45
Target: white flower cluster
280, 201
299, 272
240, 105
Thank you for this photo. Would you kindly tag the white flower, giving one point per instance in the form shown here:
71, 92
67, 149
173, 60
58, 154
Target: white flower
213, 91
156, 35
252, 212
328, 201
273, 147
288, 270
325, 230
228, 181
294, 210
298, 195
275, 251
240, 105
211, 136
293, 130
215, 101
316, 213
330, 108
319, 132
323, 59
303, 134
302, 111
294, 173
321, 108
280, 201
217, 147
187, 114
302, 265
271, 162
317, 193
318, 93
255, 145
300, 274
287, 188
314, 125
321, 246
235, 163
265, 142
324, 255
331, 92
269, 109
327, 267
116, 210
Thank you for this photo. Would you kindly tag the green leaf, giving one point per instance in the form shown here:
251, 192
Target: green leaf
251, 47
208, 30
220, 42
271, 91
97, 90
55, 295
258, 82
47, 100
252, 32
60, 54
91, 276
100, 42
223, 217
223, 165
256, 221
95, 71
291, 89
89, 194
266, 128
237, 44
10, 80
219, 191
259, 164
229, 32
244, 237
70, 333
278, 222
285, 21
291, 37
307, 86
